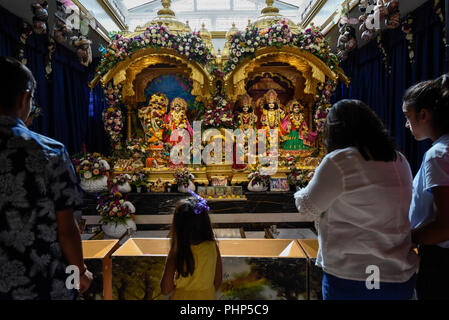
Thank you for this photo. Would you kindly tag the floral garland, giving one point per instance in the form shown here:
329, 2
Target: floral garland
323, 104
245, 44
156, 36
407, 28
112, 116
219, 114
255, 177
113, 124
112, 208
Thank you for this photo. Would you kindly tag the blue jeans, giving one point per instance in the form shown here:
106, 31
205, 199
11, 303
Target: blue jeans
335, 288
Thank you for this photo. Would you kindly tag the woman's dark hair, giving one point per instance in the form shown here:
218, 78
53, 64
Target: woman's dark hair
15, 79
188, 228
351, 123
432, 95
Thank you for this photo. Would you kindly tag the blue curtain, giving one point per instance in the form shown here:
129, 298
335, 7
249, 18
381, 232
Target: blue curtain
371, 83
71, 113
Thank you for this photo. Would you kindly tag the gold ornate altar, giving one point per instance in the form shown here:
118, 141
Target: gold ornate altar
290, 71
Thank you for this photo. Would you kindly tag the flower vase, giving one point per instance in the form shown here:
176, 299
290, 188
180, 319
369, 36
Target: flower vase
124, 188
182, 188
116, 230
257, 187
94, 185
139, 189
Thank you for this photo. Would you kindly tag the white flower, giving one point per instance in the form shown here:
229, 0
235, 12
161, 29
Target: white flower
115, 209
249, 42
96, 165
233, 66
181, 48
87, 175
256, 44
252, 49
153, 31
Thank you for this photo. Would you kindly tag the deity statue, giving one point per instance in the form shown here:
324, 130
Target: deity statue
295, 133
177, 119
246, 119
272, 111
152, 119
246, 122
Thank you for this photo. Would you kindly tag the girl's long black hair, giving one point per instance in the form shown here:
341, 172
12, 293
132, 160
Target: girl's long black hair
351, 123
188, 228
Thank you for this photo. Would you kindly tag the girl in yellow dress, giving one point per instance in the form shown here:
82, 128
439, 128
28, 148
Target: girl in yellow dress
193, 268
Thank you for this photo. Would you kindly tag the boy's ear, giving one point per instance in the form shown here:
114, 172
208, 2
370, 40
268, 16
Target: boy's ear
425, 115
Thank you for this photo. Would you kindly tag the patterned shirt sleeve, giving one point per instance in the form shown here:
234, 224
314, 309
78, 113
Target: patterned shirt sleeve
65, 188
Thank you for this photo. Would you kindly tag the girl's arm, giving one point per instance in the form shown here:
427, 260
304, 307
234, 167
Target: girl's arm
438, 230
218, 271
167, 281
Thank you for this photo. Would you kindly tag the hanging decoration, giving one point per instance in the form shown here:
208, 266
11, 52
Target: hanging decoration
392, 20
347, 40
408, 28
368, 26
40, 17
51, 46
25, 32
438, 7
83, 49
60, 29
385, 56
323, 104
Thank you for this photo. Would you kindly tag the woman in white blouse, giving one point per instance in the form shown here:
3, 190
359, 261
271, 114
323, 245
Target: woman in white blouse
360, 195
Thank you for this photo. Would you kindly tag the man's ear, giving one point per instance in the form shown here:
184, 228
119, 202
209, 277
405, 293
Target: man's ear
425, 115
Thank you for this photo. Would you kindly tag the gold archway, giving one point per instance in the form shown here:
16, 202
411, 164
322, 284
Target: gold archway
126, 72
312, 69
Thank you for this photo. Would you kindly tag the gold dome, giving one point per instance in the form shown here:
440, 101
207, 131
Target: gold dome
207, 38
231, 32
270, 15
167, 17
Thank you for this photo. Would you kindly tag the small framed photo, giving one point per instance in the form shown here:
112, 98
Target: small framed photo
210, 191
220, 191
237, 191
228, 191
279, 184
202, 191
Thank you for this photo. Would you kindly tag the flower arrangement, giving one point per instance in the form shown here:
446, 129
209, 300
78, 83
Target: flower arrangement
137, 146
255, 177
90, 166
139, 179
407, 28
120, 180
113, 208
245, 44
298, 178
438, 7
183, 177
156, 36
219, 114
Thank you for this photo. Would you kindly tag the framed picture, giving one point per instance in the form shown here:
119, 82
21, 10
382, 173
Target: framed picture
228, 191
220, 191
202, 191
210, 191
279, 184
237, 191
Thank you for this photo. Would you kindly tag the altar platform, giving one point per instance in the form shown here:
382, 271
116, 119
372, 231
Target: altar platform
255, 212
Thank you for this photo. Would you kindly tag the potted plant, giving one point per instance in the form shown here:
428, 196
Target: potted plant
184, 180
257, 181
92, 169
138, 180
117, 214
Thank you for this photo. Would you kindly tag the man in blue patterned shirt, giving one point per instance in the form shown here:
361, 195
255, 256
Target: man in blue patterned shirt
39, 236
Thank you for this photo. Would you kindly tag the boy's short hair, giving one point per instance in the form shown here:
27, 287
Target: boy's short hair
15, 79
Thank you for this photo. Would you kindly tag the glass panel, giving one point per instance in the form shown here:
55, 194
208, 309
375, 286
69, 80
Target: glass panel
326, 11
195, 23
213, 4
134, 3
182, 5
244, 5
226, 23
98, 12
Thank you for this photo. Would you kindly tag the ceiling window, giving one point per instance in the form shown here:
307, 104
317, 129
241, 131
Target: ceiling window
213, 5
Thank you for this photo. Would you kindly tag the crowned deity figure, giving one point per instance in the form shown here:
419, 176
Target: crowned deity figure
272, 114
177, 119
295, 133
246, 121
152, 119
